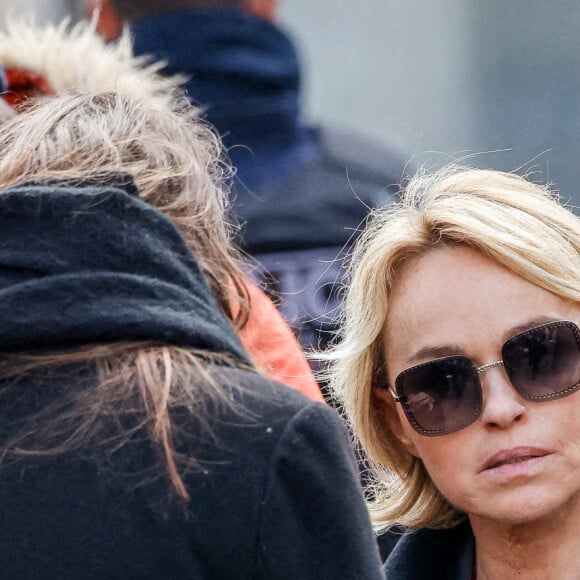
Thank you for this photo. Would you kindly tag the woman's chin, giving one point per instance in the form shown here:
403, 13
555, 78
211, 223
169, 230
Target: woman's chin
526, 506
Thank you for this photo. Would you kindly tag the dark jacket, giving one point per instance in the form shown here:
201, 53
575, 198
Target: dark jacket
301, 192
276, 497
433, 555
275, 494
298, 187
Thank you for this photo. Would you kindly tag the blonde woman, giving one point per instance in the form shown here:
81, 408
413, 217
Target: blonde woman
136, 438
459, 367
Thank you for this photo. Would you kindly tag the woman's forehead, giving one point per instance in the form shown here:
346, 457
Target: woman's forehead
459, 299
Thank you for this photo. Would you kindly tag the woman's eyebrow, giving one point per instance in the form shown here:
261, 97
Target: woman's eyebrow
429, 352
527, 326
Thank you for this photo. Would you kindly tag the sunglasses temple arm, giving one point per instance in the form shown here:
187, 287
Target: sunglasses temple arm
396, 397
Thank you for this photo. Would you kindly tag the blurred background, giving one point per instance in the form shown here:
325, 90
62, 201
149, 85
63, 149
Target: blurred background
437, 80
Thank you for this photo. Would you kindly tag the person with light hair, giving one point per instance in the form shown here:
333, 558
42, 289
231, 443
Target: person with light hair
137, 440
458, 366
38, 61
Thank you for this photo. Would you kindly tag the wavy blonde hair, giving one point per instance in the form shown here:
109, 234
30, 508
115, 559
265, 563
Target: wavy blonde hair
516, 223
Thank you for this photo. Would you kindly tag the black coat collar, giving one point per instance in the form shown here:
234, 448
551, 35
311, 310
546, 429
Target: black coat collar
434, 555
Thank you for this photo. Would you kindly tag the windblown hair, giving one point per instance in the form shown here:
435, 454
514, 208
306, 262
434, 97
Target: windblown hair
516, 223
121, 392
172, 156
174, 160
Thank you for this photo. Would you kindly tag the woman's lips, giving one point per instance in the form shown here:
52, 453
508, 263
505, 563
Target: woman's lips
515, 461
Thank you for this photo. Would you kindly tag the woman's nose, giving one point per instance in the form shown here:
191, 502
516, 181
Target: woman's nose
502, 405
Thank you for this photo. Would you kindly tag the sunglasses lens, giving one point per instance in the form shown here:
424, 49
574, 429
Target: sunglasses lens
544, 363
440, 396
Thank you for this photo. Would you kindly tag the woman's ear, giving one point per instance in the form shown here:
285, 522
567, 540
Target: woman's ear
388, 407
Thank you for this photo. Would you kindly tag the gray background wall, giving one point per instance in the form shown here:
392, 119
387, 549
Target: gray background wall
398, 70
440, 80
44, 9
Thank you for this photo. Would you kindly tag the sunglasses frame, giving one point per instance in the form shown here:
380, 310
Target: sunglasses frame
400, 398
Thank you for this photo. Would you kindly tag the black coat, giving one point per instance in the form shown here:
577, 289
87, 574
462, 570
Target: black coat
276, 497
433, 555
275, 493
297, 187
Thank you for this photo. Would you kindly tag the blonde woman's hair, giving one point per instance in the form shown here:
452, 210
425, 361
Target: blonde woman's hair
516, 223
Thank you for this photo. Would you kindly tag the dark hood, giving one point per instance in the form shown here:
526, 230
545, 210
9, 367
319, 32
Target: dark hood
242, 70
94, 263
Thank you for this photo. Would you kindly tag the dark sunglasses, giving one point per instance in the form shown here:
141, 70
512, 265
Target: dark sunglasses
444, 395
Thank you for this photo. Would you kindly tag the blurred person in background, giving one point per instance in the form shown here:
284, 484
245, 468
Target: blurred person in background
38, 61
136, 438
300, 191
459, 368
